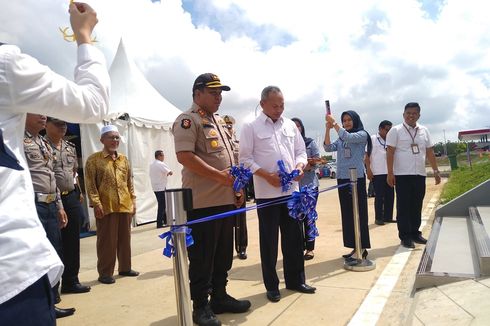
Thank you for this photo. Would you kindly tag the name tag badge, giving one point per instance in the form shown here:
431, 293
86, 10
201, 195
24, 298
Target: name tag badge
415, 149
347, 153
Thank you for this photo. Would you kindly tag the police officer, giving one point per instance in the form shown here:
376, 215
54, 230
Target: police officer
48, 201
65, 167
241, 236
206, 152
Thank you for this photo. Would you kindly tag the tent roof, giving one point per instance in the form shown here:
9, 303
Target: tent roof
131, 93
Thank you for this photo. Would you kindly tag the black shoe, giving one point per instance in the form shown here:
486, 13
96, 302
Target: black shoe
309, 255
159, 226
420, 239
106, 279
228, 304
379, 222
75, 288
349, 255
274, 296
129, 273
204, 316
408, 243
389, 221
60, 313
303, 288
242, 255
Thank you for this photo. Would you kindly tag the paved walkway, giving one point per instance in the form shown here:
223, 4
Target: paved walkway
383, 296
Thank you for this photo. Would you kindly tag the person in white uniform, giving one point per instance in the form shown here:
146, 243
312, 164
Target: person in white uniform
29, 263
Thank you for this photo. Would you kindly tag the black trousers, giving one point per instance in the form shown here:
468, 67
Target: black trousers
308, 245
410, 193
345, 197
70, 236
48, 215
272, 219
33, 306
211, 255
161, 214
384, 198
241, 235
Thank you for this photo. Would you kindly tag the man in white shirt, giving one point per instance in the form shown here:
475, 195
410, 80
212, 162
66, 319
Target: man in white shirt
377, 173
159, 172
408, 146
29, 263
263, 142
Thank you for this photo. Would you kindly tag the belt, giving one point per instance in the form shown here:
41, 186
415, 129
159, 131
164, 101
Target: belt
64, 193
45, 198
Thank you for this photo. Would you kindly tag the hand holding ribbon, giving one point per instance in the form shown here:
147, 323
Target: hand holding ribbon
169, 249
242, 176
302, 206
286, 178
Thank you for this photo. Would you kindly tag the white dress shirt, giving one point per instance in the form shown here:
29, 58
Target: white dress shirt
27, 86
158, 175
378, 155
402, 137
263, 143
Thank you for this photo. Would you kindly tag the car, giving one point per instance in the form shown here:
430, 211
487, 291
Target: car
333, 170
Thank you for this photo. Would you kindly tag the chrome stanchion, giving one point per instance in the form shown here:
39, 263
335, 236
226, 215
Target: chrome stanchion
178, 202
357, 264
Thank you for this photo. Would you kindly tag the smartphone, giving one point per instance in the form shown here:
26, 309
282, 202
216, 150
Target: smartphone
327, 107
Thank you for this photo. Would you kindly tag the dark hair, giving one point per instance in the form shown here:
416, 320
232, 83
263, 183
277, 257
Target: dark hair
411, 105
358, 126
158, 153
384, 123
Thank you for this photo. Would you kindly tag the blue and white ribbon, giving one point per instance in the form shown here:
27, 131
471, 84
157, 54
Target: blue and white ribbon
242, 177
286, 178
302, 206
169, 249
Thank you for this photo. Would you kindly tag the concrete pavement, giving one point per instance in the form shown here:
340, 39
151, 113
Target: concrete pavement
376, 297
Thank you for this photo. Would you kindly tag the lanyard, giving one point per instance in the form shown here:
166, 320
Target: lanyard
413, 137
382, 144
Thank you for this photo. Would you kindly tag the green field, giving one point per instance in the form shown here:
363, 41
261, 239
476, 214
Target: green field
465, 177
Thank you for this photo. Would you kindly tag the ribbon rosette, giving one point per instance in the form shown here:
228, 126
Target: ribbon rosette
302, 206
169, 249
286, 178
242, 176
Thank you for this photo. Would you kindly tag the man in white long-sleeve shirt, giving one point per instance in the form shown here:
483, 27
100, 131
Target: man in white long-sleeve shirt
263, 142
29, 264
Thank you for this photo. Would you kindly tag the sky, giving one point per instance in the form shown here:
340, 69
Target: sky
371, 56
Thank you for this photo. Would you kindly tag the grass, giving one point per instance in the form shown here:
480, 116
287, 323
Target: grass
465, 178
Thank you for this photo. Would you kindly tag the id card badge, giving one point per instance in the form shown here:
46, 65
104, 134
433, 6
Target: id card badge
347, 153
415, 148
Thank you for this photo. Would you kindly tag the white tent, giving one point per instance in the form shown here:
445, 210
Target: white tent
144, 119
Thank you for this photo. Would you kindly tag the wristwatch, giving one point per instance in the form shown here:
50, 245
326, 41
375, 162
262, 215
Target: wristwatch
436, 171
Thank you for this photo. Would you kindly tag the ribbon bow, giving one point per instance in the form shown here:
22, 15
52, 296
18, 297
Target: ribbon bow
169, 249
242, 176
286, 178
301, 206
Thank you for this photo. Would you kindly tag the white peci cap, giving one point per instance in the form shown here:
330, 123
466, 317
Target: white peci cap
108, 128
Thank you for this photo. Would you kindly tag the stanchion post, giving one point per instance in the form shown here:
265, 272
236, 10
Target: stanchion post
357, 264
178, 202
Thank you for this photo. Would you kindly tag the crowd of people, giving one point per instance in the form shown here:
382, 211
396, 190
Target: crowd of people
41, 197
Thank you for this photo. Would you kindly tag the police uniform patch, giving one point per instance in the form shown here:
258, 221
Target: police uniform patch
186, 123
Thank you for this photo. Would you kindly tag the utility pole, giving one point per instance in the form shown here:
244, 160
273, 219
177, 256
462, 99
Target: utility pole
445, 143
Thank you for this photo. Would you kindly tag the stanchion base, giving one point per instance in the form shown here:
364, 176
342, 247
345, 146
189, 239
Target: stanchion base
359, 265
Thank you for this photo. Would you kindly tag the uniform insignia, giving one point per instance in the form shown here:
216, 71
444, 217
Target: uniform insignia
213, 132
186, 123
214, 143
201, 112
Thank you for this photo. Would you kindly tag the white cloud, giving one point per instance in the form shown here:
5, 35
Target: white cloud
370, 56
